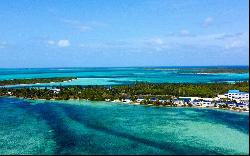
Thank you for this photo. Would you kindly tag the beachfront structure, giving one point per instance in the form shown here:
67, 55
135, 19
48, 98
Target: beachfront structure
139, 100
164, 100
127, 100
177, 101
191, 98
236, 94
152, 99
222, 96
207, 103
55, 90
197, 102
210, 99
203, 103
217, 103
242, 106
182, 101
230, 104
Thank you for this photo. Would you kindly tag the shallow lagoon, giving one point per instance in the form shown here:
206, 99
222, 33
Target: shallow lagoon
84, 127
122, 76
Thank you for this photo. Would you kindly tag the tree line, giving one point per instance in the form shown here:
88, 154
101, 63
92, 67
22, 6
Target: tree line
132, 91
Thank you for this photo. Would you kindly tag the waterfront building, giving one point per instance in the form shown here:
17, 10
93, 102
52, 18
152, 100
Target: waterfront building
139, 100
163, 101
197, 102
203, 103
126, 100
242, 105
176, 101
152, 99
236, 94
191, 98
222, 96
55, 90
230, 104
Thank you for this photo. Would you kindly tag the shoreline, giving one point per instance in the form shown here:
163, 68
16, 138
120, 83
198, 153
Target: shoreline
136, 104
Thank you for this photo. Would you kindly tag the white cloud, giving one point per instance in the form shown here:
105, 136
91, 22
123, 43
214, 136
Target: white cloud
156, 41
208, 21
63, 43
83, 26
76, 24
164, 43
51, 42
233, 44
60, 43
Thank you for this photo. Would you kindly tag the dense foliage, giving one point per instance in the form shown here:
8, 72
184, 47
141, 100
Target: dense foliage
35, 80
144, 90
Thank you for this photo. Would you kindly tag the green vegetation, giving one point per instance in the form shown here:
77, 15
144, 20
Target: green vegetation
143, 90
208, 70
36, 80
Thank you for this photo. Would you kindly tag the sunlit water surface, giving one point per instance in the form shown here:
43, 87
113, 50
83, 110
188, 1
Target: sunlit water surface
121, 76
84, 127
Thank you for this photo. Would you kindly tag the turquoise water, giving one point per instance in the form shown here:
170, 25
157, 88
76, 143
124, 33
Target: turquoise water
84, 127
119, 76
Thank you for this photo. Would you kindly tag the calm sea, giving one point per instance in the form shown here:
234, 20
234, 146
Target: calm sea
84, 127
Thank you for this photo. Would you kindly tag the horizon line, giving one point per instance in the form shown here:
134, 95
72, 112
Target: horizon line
126, 66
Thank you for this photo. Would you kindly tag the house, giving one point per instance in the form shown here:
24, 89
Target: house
203, 103
219, 103
152, 99
185, 100
126, 100
230, 104
164, 101
207, 103
139, 100
245, 102
222, 96
197, 102
207, 99
56, 90
242, 105
236, 94
176, 101
191, 98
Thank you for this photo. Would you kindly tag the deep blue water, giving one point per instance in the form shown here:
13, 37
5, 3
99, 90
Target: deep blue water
84, 127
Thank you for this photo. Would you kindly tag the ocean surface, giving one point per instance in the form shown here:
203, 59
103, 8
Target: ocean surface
125, 75
84, 127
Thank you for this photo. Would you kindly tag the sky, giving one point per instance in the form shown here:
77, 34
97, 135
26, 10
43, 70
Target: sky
117, 33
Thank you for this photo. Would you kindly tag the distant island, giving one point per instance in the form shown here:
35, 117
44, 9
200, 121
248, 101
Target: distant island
210, 69
35, 80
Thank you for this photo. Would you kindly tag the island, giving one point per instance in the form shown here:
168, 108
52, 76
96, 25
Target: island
35, 80
214, 95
